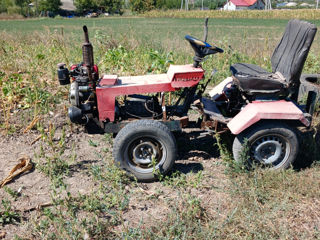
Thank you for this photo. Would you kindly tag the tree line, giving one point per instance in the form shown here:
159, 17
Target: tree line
35, 7
29, 7
147, 5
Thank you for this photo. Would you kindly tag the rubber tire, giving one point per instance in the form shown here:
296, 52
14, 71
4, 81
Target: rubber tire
265, 128
145, 128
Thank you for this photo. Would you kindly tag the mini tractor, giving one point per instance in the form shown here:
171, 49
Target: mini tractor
258, 107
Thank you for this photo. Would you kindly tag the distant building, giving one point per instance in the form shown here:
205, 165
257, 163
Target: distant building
306, 5
244, 5
291, 4
281, 5
67, 5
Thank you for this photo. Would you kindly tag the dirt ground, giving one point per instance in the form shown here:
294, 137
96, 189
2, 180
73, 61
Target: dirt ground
34, 186
149, 203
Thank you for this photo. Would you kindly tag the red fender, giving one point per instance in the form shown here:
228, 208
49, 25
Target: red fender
257, 110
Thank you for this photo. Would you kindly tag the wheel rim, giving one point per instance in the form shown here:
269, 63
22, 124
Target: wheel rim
270, 150
145, 154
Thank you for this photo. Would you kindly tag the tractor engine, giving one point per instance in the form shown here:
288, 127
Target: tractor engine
81, 94
82, 90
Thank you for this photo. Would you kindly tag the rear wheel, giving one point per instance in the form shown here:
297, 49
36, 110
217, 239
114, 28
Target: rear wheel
144, 149
271, 144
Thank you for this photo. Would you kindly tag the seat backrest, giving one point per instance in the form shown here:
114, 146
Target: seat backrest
291, 53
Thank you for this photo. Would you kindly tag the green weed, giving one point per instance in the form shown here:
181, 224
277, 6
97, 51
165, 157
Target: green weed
92, 143
224, 145
186, 220
123, 60
14, 194
179, 180
51, 158
7, 214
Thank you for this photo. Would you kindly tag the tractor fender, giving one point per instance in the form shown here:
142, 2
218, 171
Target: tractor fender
258, 110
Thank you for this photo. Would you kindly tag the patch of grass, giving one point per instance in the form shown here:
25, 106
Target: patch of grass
14, 194
179, 180
51, 158
267, 205
186, 220
24, 85
90, 215
63, 222
7, 214
224, 144
122, 60
92, 143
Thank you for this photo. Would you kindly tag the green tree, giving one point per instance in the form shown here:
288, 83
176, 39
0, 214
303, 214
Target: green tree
21, 4
5, 4
50, 5
160, 4
172, 4
211, 4
85, 5
141, 6
110, 6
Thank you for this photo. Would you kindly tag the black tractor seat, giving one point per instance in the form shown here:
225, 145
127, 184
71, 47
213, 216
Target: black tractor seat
254, 80
287, 63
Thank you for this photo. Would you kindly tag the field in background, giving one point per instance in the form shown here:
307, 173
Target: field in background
164, 33
255, 38
307, 14
88, 196
249, 40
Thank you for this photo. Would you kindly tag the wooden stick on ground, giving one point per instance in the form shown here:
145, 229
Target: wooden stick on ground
24, 166
34, 122
38, 207
35, 140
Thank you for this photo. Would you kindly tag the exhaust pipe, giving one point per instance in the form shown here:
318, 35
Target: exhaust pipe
87, 49
87, 55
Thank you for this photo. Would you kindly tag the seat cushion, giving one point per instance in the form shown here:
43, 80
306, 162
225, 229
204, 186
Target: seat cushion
253, 79
247, 69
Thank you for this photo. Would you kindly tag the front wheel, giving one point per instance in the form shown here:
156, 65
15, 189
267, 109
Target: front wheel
271, 144
145, 148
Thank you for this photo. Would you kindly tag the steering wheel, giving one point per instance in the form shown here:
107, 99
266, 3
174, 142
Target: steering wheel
202, 48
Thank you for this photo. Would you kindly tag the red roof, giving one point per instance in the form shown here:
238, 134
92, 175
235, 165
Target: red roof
245, 3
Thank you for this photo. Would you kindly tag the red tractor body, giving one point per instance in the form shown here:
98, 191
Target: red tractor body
112, 86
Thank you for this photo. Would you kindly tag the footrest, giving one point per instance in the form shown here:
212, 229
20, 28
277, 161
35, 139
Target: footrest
210, 108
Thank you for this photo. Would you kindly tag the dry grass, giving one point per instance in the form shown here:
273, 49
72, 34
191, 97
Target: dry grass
5, 16
308, 14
